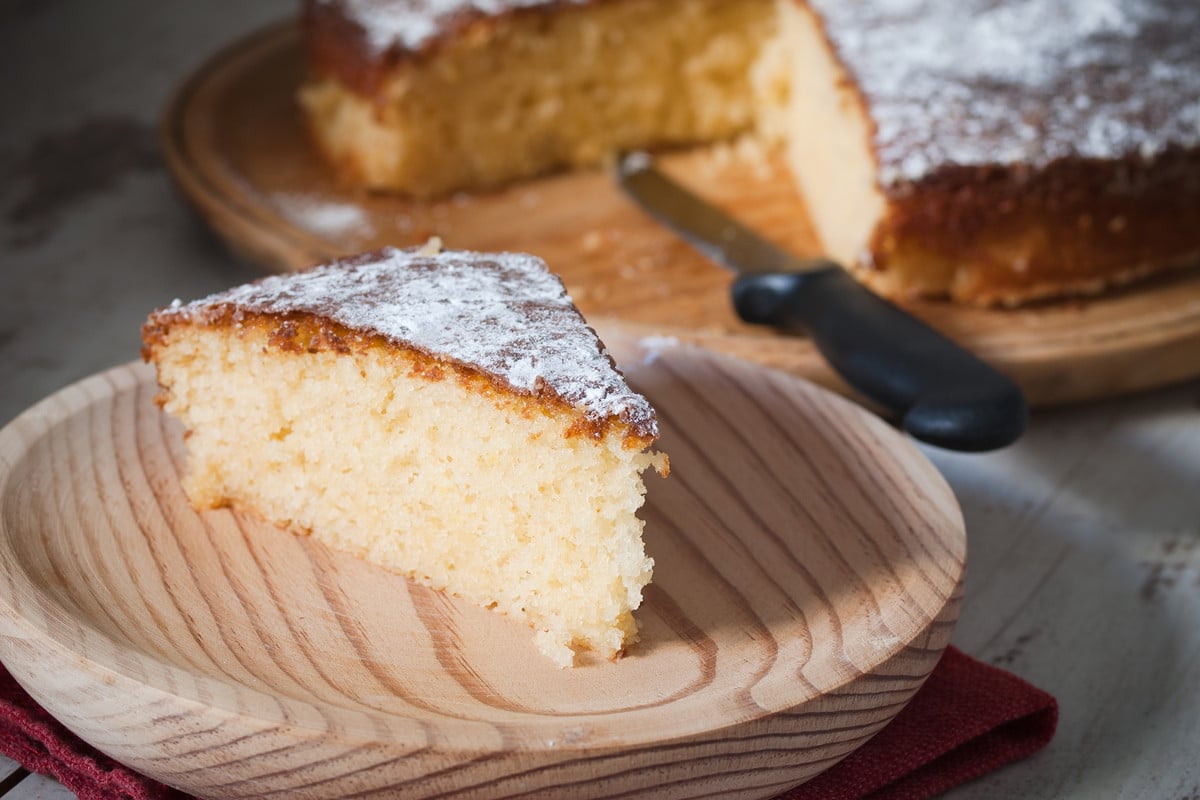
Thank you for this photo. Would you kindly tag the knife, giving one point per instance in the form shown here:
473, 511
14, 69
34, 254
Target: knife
940, 393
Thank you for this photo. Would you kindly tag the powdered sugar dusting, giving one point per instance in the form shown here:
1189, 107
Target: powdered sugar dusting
502, 313
324, 217
977, 82
409, 24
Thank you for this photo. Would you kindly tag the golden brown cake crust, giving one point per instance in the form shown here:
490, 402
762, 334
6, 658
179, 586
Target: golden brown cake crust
336, 47
498, 320
1006, 235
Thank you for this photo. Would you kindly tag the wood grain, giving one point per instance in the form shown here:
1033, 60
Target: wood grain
810, 565
235, 142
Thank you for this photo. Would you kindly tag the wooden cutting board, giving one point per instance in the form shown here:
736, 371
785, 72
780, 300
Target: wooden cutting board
235, 140
809, 565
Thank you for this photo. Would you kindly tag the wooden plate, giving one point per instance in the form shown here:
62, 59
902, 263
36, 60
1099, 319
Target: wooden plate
809, 569
235, 141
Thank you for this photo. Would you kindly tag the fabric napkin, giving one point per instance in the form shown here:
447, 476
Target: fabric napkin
967, 720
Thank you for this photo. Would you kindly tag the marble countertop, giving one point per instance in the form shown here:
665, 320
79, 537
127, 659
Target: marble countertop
1084, 537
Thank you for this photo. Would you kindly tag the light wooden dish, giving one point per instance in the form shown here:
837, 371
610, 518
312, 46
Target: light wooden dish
810, 565
235, 142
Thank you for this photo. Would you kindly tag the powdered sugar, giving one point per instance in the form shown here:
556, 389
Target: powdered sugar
324, 217
409, 24
977, 82
502, 313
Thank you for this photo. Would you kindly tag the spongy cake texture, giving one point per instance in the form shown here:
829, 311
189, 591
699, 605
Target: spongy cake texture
449, 417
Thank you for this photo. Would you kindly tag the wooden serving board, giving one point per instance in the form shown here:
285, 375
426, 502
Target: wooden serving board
809, 574
236, 142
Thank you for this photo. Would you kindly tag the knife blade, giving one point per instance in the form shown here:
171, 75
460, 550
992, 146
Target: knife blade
940, 393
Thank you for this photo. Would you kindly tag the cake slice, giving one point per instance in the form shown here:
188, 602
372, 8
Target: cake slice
448, 416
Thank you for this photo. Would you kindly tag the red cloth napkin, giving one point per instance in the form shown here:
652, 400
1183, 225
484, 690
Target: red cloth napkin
967, 720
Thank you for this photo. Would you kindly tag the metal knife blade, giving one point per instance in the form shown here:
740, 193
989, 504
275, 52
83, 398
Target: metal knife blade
720, 237
942, 394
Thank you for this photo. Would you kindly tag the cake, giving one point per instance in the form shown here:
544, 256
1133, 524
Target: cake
429, 96
445, 415
992, 153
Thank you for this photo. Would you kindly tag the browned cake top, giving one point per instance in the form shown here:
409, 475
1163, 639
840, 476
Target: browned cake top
1020, 82
502, 314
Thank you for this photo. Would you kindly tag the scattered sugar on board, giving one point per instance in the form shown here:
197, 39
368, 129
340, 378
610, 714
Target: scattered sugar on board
324, 217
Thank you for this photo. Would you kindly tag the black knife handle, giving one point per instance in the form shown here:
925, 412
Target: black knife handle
943, 394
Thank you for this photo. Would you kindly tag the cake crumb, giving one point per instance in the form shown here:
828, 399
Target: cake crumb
550, 646
432, 247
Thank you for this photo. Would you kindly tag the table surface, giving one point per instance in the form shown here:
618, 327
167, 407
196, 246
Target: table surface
1084, 537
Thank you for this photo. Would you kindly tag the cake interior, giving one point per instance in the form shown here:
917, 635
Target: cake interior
530, 92
462, 486
818, 117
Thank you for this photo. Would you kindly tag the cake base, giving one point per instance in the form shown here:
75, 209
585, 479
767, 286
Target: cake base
235, 660
236, 143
